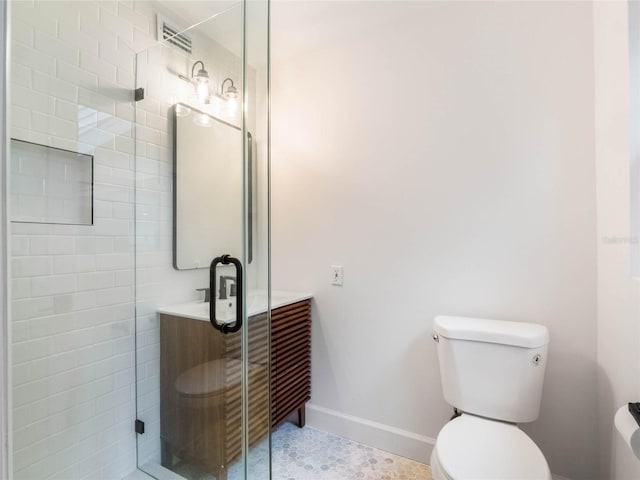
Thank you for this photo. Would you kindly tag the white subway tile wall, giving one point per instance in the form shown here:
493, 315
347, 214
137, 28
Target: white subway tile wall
73, 329
73, 326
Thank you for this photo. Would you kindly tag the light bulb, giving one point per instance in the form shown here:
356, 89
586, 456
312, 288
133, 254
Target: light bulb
202, 91
232, 105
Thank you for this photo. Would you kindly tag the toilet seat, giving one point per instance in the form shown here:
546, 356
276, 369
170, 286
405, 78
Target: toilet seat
206, 378
206, 384
470, 447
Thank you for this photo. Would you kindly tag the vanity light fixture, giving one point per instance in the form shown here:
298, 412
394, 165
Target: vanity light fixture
231, 91
200, 81
230, 94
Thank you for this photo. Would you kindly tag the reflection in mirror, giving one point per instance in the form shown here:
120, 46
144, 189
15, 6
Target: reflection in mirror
208, 186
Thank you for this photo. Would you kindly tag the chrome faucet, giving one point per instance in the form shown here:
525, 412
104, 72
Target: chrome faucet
222, 292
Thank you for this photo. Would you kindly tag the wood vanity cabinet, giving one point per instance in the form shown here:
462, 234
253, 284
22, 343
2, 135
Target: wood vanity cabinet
200, 384
290, 361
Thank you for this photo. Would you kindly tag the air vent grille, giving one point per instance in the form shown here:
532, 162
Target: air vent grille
169, 32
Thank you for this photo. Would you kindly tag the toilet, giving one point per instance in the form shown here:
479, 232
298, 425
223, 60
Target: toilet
492, 373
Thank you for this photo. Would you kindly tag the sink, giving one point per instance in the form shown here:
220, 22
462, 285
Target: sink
226, 309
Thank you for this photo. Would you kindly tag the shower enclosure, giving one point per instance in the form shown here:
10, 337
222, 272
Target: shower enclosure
202, 248
138, 201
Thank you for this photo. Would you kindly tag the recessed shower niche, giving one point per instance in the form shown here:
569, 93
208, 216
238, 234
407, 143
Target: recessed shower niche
50, 185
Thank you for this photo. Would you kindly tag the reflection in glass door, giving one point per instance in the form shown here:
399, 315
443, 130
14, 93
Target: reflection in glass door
202, 249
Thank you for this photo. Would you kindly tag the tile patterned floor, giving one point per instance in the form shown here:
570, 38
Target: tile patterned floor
309, 454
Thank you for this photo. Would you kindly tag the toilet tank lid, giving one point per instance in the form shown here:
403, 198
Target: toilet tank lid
520, 334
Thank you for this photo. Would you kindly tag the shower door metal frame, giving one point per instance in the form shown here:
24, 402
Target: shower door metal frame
5, 438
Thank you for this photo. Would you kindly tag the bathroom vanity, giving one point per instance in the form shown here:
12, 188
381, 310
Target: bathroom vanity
200, 378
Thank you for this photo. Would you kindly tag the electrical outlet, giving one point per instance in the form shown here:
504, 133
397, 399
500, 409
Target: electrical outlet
336, 274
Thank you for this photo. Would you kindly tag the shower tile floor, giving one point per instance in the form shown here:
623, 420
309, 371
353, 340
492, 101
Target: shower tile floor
309, 454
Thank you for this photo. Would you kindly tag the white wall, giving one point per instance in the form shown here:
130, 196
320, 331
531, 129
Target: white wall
442, 153
618, 307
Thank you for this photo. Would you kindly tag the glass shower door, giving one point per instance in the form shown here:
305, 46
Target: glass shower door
202, 248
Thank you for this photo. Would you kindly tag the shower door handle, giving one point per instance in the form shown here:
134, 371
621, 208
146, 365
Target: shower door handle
237, 325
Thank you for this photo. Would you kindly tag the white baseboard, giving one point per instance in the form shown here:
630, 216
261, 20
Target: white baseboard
378, 435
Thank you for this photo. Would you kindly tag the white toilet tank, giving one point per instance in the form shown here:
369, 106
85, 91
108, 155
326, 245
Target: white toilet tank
492, 368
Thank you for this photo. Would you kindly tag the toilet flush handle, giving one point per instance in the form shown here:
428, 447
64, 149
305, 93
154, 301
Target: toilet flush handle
436, 338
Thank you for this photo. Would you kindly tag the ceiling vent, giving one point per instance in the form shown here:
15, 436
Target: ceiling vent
169, 32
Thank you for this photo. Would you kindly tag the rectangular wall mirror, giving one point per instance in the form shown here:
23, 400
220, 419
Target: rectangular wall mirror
208, 183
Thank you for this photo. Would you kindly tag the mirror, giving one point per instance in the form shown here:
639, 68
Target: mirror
207, 188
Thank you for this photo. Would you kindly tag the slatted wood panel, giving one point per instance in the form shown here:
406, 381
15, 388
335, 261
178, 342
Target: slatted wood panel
258, 332
207, 430
189, 426
290, 359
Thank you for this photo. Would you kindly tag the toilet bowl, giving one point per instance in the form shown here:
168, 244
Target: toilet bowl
470, 447
202, 418
492, 371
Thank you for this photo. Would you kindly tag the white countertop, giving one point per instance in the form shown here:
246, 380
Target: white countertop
256, 304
